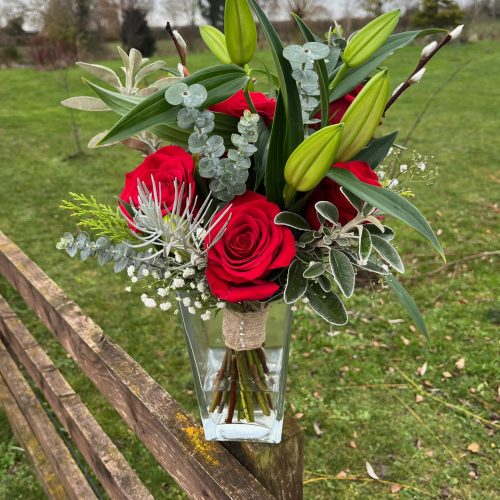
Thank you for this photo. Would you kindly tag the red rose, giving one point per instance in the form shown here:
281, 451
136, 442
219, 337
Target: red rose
237, 104
165, 166
329, 190
251, 247
339, 107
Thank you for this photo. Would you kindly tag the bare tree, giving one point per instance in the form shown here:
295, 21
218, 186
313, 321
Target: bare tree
308, 9
181, 11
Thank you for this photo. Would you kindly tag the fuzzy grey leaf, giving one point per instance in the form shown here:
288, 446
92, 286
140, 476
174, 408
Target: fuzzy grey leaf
292, 220
314, 270
388, 253
327, 305
296, 284
105, 74
342, 271
328, 211
85, 103
365, 244
148, 70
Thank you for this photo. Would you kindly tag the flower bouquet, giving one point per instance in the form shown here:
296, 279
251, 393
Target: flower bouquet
247, 203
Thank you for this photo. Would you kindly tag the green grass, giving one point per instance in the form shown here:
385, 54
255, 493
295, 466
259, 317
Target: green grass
335, 381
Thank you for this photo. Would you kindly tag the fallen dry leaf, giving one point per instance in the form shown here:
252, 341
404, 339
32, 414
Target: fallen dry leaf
344, 369
327, 349
298, 416
317, 429
412, 328
370, 471
419, 398
422, 369
447, 375
395, 488
405, 340
341, 475
473, 448
460, 364
352, 444
429, 453
448, 338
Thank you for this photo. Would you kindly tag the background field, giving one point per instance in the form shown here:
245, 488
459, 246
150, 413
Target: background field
346, 382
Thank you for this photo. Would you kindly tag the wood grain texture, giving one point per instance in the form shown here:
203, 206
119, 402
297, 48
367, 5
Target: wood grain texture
280, 467
60, 458
44, 471
110, 467
203, 470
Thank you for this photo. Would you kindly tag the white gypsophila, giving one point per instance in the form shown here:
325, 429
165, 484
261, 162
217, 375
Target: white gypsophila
421, 166
198, 304
128, 289
167, 275
220, 305
130, 271
381, 175
206, 315
165, 306
394, 183
192, 285
134, 279
403, 168
201, 286
186, 301
294, 308
178, 283
191, 310
148, 301
189, 271
162, 292
178, 257
305, 300
155, 274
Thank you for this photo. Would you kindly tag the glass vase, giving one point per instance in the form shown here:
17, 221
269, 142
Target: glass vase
239, 378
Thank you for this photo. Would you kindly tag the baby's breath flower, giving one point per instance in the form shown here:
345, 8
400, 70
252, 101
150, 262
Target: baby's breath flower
134, 279
130, 271
162, 292
189, 271
177, 283
128, 289
192, 310
186, 301
165, 306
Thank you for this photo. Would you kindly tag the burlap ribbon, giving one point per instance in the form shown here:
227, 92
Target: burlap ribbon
244, 331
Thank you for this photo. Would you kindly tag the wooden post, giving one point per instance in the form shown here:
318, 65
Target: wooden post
60, 458
44, 471
279, 467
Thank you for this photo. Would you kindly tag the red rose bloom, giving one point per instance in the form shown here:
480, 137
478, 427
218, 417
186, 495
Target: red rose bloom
165, 166
237, 104
339, 107
329, 190
251, 247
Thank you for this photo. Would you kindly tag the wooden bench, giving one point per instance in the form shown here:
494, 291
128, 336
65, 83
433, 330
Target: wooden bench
257, 471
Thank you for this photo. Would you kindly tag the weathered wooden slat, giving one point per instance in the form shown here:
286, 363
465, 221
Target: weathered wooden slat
58, 454
45, 473
203, 470
280, 468
108, 464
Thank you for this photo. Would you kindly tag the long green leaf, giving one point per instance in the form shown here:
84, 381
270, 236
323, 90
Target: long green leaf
389, 202
274, 177
121, 104
288, 86
408, 303
357, 75
376, 151
320, 69
221, 82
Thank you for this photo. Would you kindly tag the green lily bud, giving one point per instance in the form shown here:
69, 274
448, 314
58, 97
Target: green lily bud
240, 31
370, 38
311, 160
363, 116
216, 42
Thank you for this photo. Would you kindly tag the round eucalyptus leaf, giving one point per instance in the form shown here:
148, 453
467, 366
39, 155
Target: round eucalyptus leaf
194, 96
316, 50
175, 93
295, 54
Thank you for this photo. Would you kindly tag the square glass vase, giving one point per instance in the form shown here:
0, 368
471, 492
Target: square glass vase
241, 393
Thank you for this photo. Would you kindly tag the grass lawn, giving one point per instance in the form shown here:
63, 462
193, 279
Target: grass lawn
345, 382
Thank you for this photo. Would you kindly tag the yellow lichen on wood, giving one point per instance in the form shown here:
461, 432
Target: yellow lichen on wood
196, 436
